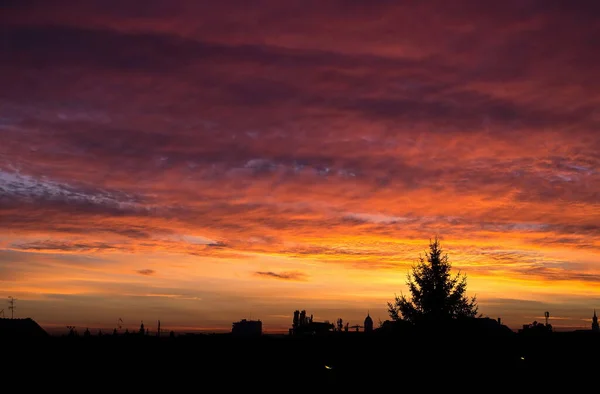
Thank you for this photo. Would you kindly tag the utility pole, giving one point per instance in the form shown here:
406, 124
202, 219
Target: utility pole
11, 306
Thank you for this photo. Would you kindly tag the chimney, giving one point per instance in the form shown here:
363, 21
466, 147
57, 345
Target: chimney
499, 321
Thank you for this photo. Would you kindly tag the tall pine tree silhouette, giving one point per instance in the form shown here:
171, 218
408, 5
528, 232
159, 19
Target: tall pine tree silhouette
436, 295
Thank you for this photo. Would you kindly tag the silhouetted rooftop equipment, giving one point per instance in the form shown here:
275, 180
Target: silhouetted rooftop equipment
11, 306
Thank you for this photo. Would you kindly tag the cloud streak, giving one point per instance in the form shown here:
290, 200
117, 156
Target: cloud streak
146, 272
295, 276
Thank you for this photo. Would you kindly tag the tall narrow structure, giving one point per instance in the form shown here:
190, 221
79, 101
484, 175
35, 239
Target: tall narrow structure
296, 322
368, 326
11, 306
595, 326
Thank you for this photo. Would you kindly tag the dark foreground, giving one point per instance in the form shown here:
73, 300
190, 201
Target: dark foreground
218, 363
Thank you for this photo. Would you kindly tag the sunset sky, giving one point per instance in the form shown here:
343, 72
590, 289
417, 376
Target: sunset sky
200, 162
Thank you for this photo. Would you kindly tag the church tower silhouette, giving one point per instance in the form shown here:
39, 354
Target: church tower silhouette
368, 325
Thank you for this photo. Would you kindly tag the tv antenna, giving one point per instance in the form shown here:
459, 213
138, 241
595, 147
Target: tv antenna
11, 306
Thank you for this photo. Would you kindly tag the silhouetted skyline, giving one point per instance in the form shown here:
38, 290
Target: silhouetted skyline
202, 162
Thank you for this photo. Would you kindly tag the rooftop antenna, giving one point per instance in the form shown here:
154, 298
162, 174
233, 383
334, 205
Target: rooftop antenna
158, 331
11, 306
547, 315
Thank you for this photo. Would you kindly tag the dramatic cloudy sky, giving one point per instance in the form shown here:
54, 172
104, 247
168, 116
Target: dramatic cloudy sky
200, 162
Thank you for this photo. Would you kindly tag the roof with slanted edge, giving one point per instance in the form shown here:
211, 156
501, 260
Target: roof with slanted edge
21, 328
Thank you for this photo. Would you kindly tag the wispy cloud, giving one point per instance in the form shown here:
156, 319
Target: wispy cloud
62, 246
294, 276
146, 272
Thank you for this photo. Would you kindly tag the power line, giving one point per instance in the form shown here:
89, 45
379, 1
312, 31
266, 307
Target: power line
11, 306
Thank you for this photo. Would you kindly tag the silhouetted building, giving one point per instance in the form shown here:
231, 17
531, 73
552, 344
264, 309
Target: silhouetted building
368, 326
247, 328
21, 328
595, 326
302, 324
536, 327
300, 318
